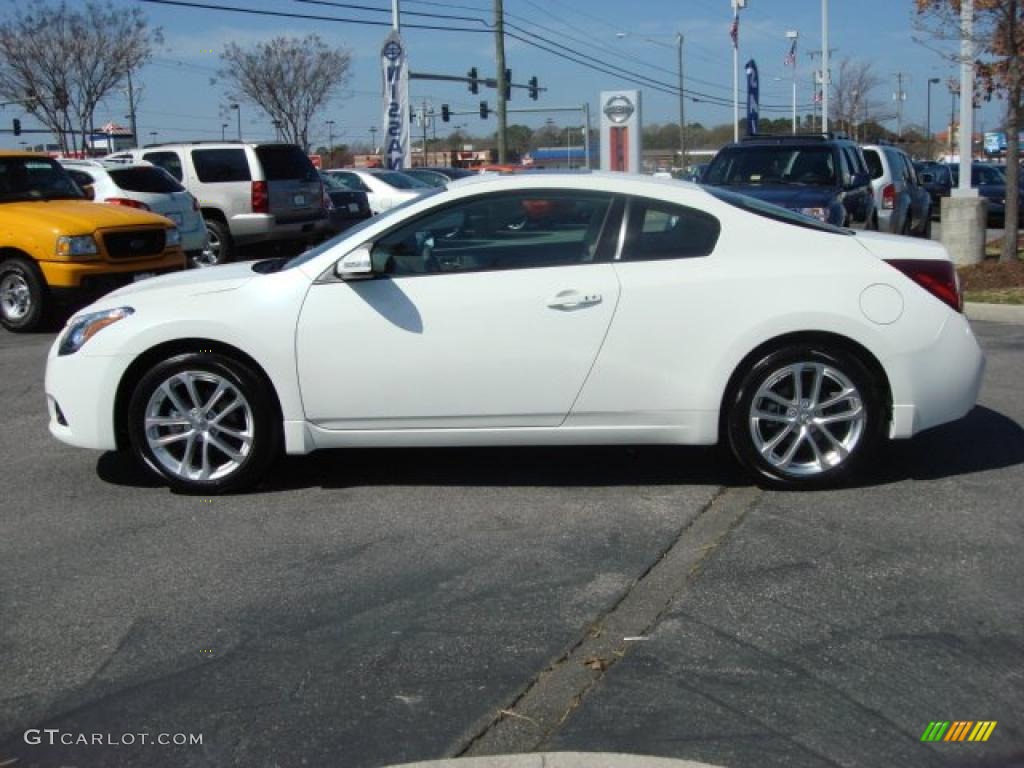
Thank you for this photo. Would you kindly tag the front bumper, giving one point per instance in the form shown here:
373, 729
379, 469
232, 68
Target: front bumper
83, 388
74, 276
941, 381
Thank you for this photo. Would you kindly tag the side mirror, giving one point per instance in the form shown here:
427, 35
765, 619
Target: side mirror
357, 265
927, 178
90, 191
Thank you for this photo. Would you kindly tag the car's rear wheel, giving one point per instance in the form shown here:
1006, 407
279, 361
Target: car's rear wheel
219, 247
204, 422
806, 417
22, 295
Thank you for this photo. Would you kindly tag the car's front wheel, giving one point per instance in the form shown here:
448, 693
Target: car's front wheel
205, 422
806, 417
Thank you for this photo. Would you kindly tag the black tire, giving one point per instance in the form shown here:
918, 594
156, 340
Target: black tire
261, 422
23, 295
816, 463
221, 249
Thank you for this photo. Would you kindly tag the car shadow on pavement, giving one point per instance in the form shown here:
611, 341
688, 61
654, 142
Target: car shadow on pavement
983, 440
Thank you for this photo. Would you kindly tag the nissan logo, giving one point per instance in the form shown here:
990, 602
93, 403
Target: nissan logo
618, 109
392, 50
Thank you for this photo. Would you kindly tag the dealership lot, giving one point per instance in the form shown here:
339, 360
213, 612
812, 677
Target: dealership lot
371, 607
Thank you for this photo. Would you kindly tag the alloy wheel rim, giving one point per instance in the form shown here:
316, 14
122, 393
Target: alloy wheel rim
15, 296
199, 426
806, 418
210, 255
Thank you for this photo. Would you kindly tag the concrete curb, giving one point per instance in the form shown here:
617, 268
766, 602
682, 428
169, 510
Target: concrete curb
995, 313
559, 760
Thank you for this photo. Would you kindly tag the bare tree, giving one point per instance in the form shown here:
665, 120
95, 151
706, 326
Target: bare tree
288, 78
851, 94
60, 62
999, 43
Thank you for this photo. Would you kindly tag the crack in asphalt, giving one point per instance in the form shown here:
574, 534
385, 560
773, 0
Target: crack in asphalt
550, 698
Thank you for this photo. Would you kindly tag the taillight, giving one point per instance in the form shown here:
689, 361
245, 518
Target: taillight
127, 202
260, 200
937, 277
889, 197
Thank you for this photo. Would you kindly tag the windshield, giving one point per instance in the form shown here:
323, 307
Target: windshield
774, 212
810, 165
312, 253
400, 180
35, 178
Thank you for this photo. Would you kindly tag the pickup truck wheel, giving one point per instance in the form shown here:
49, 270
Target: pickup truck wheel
22, 295
219, 249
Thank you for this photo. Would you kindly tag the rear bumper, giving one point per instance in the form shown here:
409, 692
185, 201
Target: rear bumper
262, 227
942, 379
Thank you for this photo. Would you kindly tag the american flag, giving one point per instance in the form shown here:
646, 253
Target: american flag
734, 31
790, 60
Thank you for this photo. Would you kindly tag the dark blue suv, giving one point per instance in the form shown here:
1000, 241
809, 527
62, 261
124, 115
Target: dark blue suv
819, 175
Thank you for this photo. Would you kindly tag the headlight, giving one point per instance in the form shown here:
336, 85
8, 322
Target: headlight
173, 236
82, 328
79, 245
821, 214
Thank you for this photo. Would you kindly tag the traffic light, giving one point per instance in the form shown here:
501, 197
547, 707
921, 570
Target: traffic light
16, 124
508, 85
446, 114
474, 87
534, 88
484, 110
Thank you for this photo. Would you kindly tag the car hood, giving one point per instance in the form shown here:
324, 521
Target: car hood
787, 196
77, 217
190, 282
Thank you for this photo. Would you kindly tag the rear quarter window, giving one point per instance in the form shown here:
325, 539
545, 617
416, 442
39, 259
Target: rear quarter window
169, 161
659, 230
285, 162
874, 163
145, 180
221, 165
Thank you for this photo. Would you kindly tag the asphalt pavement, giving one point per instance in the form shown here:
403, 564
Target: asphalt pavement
367, 608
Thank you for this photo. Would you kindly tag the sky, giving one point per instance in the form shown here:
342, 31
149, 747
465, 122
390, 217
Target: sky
179, 102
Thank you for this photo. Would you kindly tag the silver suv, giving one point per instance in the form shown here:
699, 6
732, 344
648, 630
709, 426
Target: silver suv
904, 205
247, 193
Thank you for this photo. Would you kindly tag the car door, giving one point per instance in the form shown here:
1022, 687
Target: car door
472, 319
856, 199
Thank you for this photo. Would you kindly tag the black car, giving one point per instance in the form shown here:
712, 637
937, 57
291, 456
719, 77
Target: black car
991, 185
819, 175
345, 206
937, 179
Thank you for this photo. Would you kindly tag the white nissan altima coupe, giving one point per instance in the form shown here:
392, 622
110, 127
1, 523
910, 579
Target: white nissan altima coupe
562, 309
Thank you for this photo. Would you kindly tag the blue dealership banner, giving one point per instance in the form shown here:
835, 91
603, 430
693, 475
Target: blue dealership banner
753, 98
395, 64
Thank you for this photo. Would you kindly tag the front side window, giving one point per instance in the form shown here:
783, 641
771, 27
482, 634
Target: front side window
221, 165
659, 230
35, 178
169, 161
501, 231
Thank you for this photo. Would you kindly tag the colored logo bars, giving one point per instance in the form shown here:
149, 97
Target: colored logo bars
958, 730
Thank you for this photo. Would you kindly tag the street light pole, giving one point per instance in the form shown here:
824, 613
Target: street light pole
330, 142
736, 5
825, 77
793, 35
682, 106
238, 108
223, 128
928, 119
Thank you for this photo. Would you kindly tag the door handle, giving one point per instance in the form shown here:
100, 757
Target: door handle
572, 299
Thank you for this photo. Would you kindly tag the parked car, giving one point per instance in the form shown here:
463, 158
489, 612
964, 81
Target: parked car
937, 179
657, 312
148, 188
57, 245
991, 185
819, 175
903, 204
438, 177
384, 189
247, 193
345, 206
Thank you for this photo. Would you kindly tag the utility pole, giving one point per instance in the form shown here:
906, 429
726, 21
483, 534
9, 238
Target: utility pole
330, 142
373, 139
499, 55
682, 106
899, 97
825, 74
131, 111
818, 78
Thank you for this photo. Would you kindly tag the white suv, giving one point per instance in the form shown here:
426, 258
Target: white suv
148, 188
247, 193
